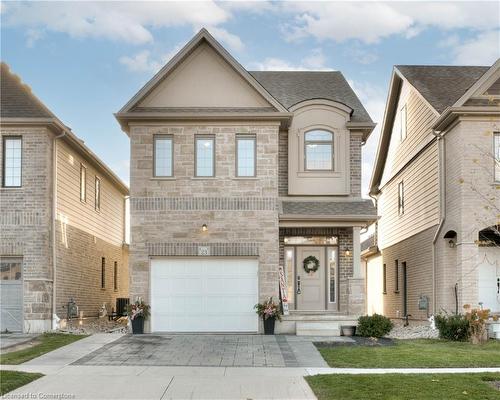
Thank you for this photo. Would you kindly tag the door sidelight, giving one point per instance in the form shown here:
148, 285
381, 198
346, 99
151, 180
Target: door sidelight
298, 284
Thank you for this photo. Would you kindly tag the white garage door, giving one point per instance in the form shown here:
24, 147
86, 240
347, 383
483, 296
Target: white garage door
204, 295
489, 280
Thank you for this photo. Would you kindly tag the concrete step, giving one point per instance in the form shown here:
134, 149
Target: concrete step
318, 328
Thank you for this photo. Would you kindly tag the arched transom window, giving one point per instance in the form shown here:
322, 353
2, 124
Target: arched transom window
319, 150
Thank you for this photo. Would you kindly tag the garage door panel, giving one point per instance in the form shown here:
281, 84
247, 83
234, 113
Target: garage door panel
204, 295
11, 306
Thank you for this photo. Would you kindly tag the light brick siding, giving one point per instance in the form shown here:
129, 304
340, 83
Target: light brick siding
241, 214
25, 216
416, 251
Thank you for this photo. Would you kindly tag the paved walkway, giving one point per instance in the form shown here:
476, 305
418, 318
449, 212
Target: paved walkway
209, 351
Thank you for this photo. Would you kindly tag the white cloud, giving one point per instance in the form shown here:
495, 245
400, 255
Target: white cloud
361, 55
315, 61
129, 22
484, 49
370, 22
222, 35
144, 61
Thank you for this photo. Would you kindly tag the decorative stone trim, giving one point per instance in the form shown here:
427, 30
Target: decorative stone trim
191, 249
17, 218
203, 203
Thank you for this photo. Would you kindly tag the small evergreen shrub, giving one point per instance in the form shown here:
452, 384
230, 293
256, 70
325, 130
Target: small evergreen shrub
375, 325
453, 327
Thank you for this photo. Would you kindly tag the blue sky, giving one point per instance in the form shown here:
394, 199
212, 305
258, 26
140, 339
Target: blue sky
85, 60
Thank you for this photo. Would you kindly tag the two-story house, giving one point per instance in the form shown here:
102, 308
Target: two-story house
62, 217
436, 180
235, 173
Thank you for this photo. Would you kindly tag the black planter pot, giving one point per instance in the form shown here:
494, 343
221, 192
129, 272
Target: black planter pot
269, 326
138, 325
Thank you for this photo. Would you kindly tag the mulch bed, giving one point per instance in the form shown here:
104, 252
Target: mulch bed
358, 341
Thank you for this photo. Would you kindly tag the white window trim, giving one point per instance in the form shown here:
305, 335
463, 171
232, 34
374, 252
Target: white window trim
83, 184
97, 193
401, 198
336, 249
4, 160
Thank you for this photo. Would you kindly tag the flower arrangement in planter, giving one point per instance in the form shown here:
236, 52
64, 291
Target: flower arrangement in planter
138, 312
270, 312
477, 324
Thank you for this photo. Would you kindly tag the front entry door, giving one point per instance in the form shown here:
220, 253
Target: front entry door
310, 286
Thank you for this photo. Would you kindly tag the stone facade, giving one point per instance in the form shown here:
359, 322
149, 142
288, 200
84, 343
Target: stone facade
241, 213
26, 231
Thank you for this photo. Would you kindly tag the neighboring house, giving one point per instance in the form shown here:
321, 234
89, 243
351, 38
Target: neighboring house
234, 173
62, 217
437, 180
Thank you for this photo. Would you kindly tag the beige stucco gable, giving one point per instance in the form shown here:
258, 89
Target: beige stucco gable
204, 79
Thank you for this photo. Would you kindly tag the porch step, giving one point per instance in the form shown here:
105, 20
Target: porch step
318, 328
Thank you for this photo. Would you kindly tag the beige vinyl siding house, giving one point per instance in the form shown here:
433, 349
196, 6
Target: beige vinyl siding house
447, 237
204, 238
52, 244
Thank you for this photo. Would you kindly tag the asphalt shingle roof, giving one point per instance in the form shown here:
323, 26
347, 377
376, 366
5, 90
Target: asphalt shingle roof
16, 100
441, 86
334, 208
292, 87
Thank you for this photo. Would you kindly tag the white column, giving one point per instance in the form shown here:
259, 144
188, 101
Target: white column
356, 253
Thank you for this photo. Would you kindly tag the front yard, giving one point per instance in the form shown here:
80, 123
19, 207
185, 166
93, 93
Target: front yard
421, 353
406, 386
43, 344
10, 380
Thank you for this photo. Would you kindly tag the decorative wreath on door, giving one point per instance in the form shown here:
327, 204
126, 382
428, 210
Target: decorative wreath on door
311, 264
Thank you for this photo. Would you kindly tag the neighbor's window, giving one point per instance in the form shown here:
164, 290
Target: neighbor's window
396, 276
205, 156
319, 150
12, 161
115, 276
384, 279
402, 126
332, 272
245, 155
163, 156
97, 194
11, 268
83, 183
401, 198
497, 156
103, 273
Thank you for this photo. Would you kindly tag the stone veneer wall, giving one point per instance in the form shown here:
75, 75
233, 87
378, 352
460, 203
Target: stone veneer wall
345, 262
25, 223
167, 214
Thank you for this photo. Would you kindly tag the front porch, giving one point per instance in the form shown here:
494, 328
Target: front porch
315, 323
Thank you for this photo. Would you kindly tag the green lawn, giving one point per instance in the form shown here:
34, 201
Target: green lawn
405, 387
414, 353
48, 342
10, 380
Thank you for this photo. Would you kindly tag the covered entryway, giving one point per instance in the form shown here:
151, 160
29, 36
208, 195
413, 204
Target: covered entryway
11, 294
204, 294
489, 279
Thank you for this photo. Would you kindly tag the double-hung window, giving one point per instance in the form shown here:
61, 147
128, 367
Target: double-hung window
245, 155
496, 145
97, 194
318, 146
12, 161
163, 156
83, 183
205, 156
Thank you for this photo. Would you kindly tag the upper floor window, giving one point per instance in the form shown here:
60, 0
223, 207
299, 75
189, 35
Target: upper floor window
401, 198
497, 155
11, 268
163, 156
402, 123
97, 194
319, 150
83, 183
12, 161
245, 155
205, 156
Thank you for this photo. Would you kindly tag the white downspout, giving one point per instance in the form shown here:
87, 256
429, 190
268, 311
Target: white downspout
442, 212
54, 222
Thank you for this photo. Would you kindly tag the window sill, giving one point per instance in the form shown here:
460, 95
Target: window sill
245, 178
396, 292
203, 178
163, 178
11, 187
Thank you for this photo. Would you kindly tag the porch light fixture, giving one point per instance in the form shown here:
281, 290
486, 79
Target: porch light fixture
204, 227
347, 252
451, 243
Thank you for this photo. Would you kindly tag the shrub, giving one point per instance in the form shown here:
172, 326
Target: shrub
375, 325
453, 327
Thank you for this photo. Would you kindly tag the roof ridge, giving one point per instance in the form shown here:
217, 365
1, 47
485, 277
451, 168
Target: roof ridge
442, 65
